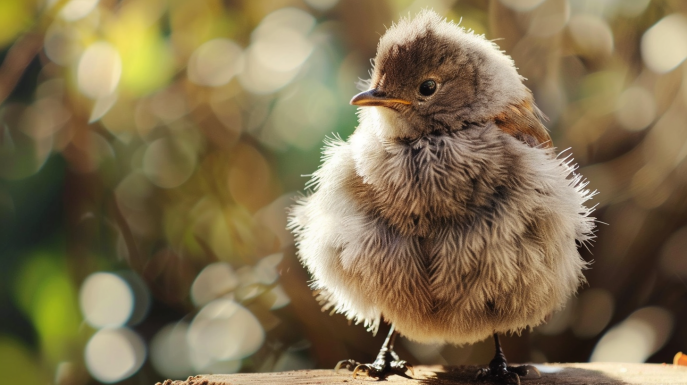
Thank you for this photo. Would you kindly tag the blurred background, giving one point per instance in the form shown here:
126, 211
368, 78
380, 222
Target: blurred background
148, 149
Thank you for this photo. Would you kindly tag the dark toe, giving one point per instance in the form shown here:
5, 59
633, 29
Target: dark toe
346, 364
371, 371
508, 374
381, 372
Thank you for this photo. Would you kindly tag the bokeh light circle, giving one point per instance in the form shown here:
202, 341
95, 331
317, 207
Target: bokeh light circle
258, 79
61, 44
302, 118
592, 35
169, 351
99, 70
664, 45
223, 331
636, 109
112, 355
215, 62
266, 269
285, 18
642, 334
77, 9
282, 50
280, 46
213, 281
549, 18
168, 163
106, 300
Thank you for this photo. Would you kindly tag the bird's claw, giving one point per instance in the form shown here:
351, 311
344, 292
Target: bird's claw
410, 367
507, 374
378, 369
367, 368
346, 364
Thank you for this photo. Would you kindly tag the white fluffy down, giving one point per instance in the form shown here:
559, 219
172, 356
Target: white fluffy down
523, 261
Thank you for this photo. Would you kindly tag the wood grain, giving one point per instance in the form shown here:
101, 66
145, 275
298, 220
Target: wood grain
575, 373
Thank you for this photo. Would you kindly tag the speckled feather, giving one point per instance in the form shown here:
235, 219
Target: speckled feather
451, 217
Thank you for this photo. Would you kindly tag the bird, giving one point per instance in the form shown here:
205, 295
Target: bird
447, 213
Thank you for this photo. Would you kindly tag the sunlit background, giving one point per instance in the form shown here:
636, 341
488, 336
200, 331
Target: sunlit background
148, 149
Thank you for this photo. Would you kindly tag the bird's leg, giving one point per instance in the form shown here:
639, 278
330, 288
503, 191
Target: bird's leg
498, 367
387, 362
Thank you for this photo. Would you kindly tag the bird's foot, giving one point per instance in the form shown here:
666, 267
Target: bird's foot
381, 371
382, 368
499, 369
346, 364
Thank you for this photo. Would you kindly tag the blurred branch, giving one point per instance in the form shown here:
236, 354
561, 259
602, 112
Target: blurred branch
134, 259
18, 58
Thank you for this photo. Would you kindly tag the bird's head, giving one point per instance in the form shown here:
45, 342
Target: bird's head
432, 75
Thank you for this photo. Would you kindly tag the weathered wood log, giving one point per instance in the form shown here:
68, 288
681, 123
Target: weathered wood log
576, 373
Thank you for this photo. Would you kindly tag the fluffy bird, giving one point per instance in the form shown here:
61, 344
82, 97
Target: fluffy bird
446, 213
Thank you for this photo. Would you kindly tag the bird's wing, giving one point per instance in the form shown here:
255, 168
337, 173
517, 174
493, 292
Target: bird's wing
524, 122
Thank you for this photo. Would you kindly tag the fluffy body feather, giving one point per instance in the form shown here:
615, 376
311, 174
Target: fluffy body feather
453, 220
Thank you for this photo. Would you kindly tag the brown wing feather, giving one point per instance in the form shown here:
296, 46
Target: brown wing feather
524, 122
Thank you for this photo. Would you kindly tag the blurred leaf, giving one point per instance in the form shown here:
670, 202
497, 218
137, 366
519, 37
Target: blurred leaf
195, 22
15, 17
35, 271
17, 364
57, 316
147, 61
46, 293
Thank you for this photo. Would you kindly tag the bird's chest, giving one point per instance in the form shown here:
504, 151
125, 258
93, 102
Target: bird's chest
423, 273
417, 186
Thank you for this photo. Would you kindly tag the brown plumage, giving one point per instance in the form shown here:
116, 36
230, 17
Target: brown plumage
524, 122
446, 213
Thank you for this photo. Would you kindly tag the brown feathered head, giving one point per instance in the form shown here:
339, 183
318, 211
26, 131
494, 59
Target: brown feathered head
431, 75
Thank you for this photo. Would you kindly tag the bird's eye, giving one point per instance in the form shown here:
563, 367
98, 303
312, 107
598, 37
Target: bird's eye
428, 87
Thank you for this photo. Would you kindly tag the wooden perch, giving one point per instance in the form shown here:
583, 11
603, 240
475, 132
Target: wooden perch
579, 373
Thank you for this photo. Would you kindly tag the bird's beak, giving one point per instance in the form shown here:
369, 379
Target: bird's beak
374, 98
